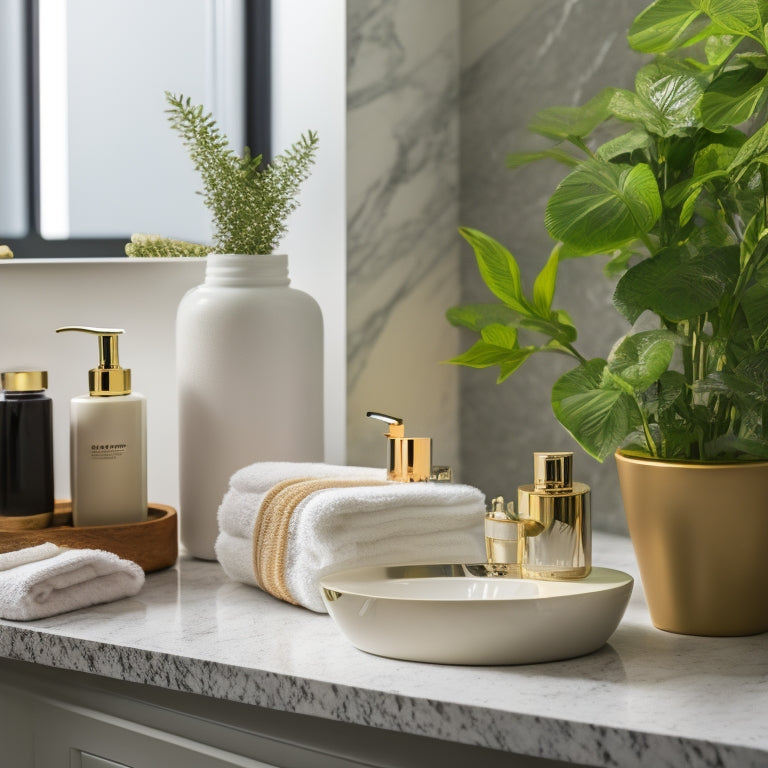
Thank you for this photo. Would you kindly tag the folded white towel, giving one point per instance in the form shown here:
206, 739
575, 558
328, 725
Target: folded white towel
46, 580
249, 486
344, 527
19, 557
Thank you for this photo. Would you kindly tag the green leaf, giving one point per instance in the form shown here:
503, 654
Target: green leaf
682, 190
754, 369
498, 346
689, 205
565, 122
663, 25
513, 362
712, 234
568, 251
735, 17
718, 48
599, 206
516, 159
755, 145
597, 413
755, 306
733, 97
500, 336
718, 155
633, 141
477, 316
668, 94
498, 269
754, 240
480, 355
545, 283
550, 326
663, 398
565, 324
493, 348
677, 284
640, 359
730, 448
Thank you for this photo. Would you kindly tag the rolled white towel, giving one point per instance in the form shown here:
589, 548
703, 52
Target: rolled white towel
344, 527
248, 486
46, 580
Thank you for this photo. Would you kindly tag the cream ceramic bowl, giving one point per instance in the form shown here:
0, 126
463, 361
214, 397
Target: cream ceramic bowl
458, 614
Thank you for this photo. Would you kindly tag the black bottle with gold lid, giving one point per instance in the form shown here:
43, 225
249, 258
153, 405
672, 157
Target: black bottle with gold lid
26, 451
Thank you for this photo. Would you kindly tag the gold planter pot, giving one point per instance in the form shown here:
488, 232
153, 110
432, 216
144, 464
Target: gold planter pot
700, 534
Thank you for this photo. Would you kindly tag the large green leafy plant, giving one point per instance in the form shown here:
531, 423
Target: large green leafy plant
677, 201
249, 203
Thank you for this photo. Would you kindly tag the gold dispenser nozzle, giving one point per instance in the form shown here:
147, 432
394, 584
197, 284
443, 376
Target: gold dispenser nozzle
409, 459
108, 378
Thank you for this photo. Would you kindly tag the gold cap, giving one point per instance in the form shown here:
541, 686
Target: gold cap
24, 381
553, 471
409, 459
109, 379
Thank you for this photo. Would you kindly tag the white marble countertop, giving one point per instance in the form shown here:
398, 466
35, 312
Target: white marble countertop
648, 698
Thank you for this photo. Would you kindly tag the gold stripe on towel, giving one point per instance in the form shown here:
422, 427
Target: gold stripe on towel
270, 538
266, 513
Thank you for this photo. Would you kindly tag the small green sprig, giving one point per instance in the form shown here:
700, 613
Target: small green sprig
249, 204
144, 246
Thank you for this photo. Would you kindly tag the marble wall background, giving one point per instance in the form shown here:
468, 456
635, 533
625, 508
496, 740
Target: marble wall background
438, 94
402, 213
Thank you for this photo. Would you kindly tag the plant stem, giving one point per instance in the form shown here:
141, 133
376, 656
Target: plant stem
646, 429
575, 353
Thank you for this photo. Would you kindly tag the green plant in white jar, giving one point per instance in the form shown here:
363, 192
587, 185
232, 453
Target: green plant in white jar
677, 202
249, 346
249, 204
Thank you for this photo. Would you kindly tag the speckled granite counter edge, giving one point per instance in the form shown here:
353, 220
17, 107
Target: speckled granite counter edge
582, 743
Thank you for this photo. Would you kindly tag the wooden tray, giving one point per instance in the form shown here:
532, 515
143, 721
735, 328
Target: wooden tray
152, 544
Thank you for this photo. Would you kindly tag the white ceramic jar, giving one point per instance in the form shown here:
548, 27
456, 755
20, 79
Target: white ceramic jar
249, 367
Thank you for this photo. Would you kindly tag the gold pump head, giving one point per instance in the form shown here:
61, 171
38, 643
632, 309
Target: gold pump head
409, 459
108, 379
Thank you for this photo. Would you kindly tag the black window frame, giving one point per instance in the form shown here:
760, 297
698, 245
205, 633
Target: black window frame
258, 134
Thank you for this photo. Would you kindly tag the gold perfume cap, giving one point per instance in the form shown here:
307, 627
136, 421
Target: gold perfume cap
24, 381
409, 459
553, 471
109, 379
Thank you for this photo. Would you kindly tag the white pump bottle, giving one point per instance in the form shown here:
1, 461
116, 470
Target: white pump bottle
108, 442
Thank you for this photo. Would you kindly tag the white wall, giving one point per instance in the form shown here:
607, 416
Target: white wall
309, 92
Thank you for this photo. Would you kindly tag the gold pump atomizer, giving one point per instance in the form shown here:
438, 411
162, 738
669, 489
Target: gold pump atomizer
409, 459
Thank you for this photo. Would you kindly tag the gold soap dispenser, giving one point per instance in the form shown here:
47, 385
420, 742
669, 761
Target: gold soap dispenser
562, 547
409, 459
